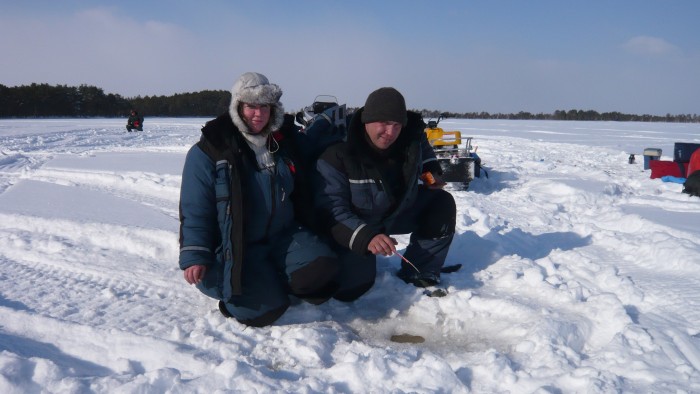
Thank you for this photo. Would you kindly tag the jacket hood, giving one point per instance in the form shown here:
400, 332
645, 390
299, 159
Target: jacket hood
255, 88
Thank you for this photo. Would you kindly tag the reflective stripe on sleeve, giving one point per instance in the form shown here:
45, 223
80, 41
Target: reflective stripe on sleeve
354, 234
194, 249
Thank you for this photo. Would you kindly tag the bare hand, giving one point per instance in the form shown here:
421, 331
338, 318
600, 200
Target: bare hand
382, 244
195, 273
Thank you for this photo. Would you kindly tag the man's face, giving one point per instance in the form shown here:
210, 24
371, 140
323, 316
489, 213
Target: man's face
383, 134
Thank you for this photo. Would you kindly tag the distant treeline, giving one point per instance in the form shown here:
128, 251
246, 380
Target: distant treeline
45, 101
570, 115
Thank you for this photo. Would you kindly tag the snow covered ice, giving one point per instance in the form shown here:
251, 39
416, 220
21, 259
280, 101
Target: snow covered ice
581, 274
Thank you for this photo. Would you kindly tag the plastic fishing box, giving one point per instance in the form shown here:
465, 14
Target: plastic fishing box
651, 154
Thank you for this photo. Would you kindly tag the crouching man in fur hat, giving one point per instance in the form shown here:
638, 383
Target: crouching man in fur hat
371, 188
241, 209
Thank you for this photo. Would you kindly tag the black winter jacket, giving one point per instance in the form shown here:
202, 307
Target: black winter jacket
361, 192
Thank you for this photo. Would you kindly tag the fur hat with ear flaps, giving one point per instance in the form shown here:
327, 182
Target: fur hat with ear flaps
254, 88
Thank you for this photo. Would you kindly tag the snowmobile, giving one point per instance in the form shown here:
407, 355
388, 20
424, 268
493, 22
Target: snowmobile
458, 159
323, 124
319, 106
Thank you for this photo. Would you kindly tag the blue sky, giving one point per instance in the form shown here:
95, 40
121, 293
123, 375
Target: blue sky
462, 56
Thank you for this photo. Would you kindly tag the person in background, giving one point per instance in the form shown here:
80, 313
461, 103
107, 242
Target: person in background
241, 209
135, 121
371, 188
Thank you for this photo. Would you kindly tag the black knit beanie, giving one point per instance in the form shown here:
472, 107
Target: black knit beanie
385, 104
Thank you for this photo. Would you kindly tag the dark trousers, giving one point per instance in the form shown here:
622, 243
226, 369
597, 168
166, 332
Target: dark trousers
431, 223
296, 263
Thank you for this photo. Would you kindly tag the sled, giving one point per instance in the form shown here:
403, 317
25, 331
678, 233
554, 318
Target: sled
458, 159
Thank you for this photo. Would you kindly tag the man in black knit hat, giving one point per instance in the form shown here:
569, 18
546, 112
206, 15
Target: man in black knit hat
372, 187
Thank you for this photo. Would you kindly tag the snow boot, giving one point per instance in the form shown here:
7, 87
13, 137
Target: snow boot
419, 279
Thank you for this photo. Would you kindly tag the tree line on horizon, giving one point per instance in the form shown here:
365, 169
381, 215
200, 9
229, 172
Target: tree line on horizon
48, 101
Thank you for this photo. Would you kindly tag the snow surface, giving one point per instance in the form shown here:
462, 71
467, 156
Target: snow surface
581, 274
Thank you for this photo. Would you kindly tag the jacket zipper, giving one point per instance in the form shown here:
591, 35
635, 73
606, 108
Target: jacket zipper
230, 192
273, 205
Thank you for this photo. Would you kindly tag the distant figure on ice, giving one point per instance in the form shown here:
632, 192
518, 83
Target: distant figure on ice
241, 204
370, 189
135, 121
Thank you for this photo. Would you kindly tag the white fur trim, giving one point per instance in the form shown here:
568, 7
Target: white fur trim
254, 88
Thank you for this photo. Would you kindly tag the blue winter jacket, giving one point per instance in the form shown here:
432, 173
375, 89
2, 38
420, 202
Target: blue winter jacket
359, 200
217, 215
